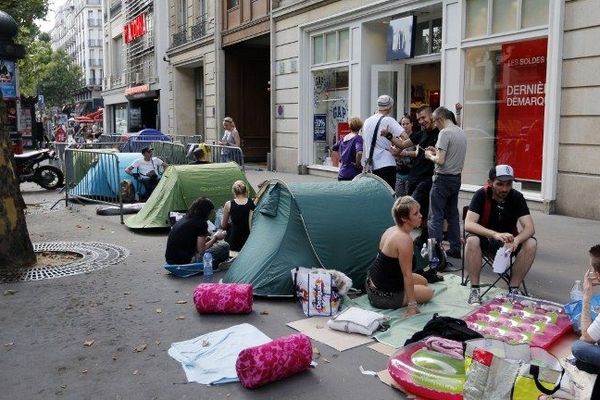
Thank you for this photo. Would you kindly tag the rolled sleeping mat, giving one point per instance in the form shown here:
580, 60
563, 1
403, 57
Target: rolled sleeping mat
223, 298
270, 362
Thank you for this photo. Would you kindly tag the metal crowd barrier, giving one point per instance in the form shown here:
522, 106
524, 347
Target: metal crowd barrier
221, 154
93, 175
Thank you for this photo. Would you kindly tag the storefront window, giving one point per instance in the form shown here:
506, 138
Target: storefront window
330, 111
534, 13
331, 47
120, 118
504, 97
428, 37
505, 16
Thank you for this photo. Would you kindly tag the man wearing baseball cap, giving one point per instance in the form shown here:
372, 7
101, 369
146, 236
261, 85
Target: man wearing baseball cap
376, 148
148, 169
491, 223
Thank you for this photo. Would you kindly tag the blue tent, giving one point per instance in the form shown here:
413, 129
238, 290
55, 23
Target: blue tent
145, 137
101, 179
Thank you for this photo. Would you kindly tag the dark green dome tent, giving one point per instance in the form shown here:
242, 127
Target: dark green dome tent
181, 185
334, 225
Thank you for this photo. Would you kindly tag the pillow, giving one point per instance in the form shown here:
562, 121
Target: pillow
357, 320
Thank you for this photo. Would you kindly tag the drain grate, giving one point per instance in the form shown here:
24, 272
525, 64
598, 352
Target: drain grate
95, 256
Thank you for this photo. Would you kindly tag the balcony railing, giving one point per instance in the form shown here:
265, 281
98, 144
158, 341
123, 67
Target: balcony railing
186, 33
94, 82
93, 62
95, 43
115, 7
94, 22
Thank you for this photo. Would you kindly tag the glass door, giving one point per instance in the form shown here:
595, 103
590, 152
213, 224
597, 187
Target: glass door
389, 79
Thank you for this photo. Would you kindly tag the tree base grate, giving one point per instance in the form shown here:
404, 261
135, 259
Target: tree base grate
95, 256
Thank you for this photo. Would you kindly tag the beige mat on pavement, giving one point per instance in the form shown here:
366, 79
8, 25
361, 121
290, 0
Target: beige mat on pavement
316, 328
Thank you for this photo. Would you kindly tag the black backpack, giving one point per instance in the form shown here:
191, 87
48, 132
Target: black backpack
445, 327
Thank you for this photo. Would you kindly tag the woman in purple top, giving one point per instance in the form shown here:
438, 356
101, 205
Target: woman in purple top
350, 148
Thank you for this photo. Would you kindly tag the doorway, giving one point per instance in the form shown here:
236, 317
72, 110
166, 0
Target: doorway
424, 87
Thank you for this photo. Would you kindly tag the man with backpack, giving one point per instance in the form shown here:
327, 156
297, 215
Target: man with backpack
491, 223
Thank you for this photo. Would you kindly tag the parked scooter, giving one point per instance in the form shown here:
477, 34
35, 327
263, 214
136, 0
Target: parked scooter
29, 169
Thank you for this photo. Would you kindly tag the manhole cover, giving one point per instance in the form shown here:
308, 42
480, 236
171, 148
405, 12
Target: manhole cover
94, 256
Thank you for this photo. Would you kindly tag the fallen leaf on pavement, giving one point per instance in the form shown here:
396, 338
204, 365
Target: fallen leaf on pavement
84, 371
158, 310
9, 292
326, 360
181, 302
157, 342
89, 343
180, 317
140, 348
264, 312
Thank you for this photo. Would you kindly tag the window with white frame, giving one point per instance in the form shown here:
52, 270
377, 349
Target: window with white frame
330, 52
487, 17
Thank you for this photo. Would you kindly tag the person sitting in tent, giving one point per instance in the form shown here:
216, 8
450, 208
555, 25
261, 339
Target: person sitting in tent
189, 238
147, 174
390, 282
239, 209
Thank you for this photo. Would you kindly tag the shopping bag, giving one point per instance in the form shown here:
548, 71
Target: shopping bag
316, 291
500, 371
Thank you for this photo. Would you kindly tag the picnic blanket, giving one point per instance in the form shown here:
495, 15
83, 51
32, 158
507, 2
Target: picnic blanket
449, 299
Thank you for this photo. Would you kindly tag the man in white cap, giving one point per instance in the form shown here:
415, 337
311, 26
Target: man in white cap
491, 223
377, 152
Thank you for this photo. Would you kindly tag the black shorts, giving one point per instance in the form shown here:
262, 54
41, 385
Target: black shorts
490, 246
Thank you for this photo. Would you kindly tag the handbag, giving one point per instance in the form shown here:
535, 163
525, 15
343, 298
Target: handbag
369, 161
500, 371
316, 291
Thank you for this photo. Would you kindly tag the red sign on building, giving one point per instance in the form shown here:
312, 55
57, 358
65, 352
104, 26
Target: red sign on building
135, 28
521, 98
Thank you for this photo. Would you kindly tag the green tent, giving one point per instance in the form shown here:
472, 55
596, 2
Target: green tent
181, 185
335, 225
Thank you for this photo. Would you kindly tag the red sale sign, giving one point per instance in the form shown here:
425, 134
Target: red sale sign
521, 98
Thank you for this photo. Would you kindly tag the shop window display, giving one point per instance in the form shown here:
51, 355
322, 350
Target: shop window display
330, 111
506, 16
504, 96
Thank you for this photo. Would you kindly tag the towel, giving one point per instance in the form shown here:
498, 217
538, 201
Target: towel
210, 359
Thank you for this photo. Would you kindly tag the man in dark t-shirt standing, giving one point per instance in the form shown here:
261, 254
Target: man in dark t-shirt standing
419, 177
491, 223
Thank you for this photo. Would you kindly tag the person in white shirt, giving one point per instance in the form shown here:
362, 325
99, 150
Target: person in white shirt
381, 158
586, 350
148, 171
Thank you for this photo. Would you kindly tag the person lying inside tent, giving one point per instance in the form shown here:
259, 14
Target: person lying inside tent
148, 171
189, 238
390, 282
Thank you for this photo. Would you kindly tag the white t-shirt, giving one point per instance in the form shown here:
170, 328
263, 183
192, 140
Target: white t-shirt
594, 329
143, 166
381, 155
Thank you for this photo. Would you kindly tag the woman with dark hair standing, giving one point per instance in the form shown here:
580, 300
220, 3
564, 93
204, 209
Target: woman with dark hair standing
240, 209
404, 159
391, 283
189, 238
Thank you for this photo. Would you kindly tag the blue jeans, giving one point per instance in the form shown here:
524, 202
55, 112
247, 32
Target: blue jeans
587, 352
443, 203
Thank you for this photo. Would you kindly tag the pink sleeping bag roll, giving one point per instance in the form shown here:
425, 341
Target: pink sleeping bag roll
223, 298
273, 361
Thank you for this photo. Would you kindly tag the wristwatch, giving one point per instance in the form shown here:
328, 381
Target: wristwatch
389, 136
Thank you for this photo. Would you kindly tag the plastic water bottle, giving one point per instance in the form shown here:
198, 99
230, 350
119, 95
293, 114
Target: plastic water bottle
435, 262
577, 291
207, 260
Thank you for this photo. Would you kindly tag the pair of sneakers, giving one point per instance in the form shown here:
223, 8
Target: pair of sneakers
475, 295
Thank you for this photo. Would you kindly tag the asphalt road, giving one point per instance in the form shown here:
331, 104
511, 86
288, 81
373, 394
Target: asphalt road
45, 323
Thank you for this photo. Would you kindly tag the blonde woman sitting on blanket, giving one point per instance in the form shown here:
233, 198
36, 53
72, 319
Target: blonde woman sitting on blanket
390, 282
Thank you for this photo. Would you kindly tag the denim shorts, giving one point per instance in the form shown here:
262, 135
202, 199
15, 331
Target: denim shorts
381, 299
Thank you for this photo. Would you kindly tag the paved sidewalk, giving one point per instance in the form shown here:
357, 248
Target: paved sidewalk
45, 323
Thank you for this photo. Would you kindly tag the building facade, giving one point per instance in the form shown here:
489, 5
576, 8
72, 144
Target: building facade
78, 30
136, 81
503, 60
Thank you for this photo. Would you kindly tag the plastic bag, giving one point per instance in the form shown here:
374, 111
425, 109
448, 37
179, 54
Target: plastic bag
573, 310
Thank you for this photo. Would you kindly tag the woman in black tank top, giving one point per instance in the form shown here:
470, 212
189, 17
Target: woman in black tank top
239, 209
390, 281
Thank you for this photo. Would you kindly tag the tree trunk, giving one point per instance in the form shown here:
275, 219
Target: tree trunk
16, 250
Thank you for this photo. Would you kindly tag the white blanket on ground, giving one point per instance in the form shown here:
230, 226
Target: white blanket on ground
210, 358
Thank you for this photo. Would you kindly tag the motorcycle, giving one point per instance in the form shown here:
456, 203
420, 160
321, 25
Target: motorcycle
29, 169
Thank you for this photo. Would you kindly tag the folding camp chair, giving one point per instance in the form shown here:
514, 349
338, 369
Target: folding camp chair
487, 259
